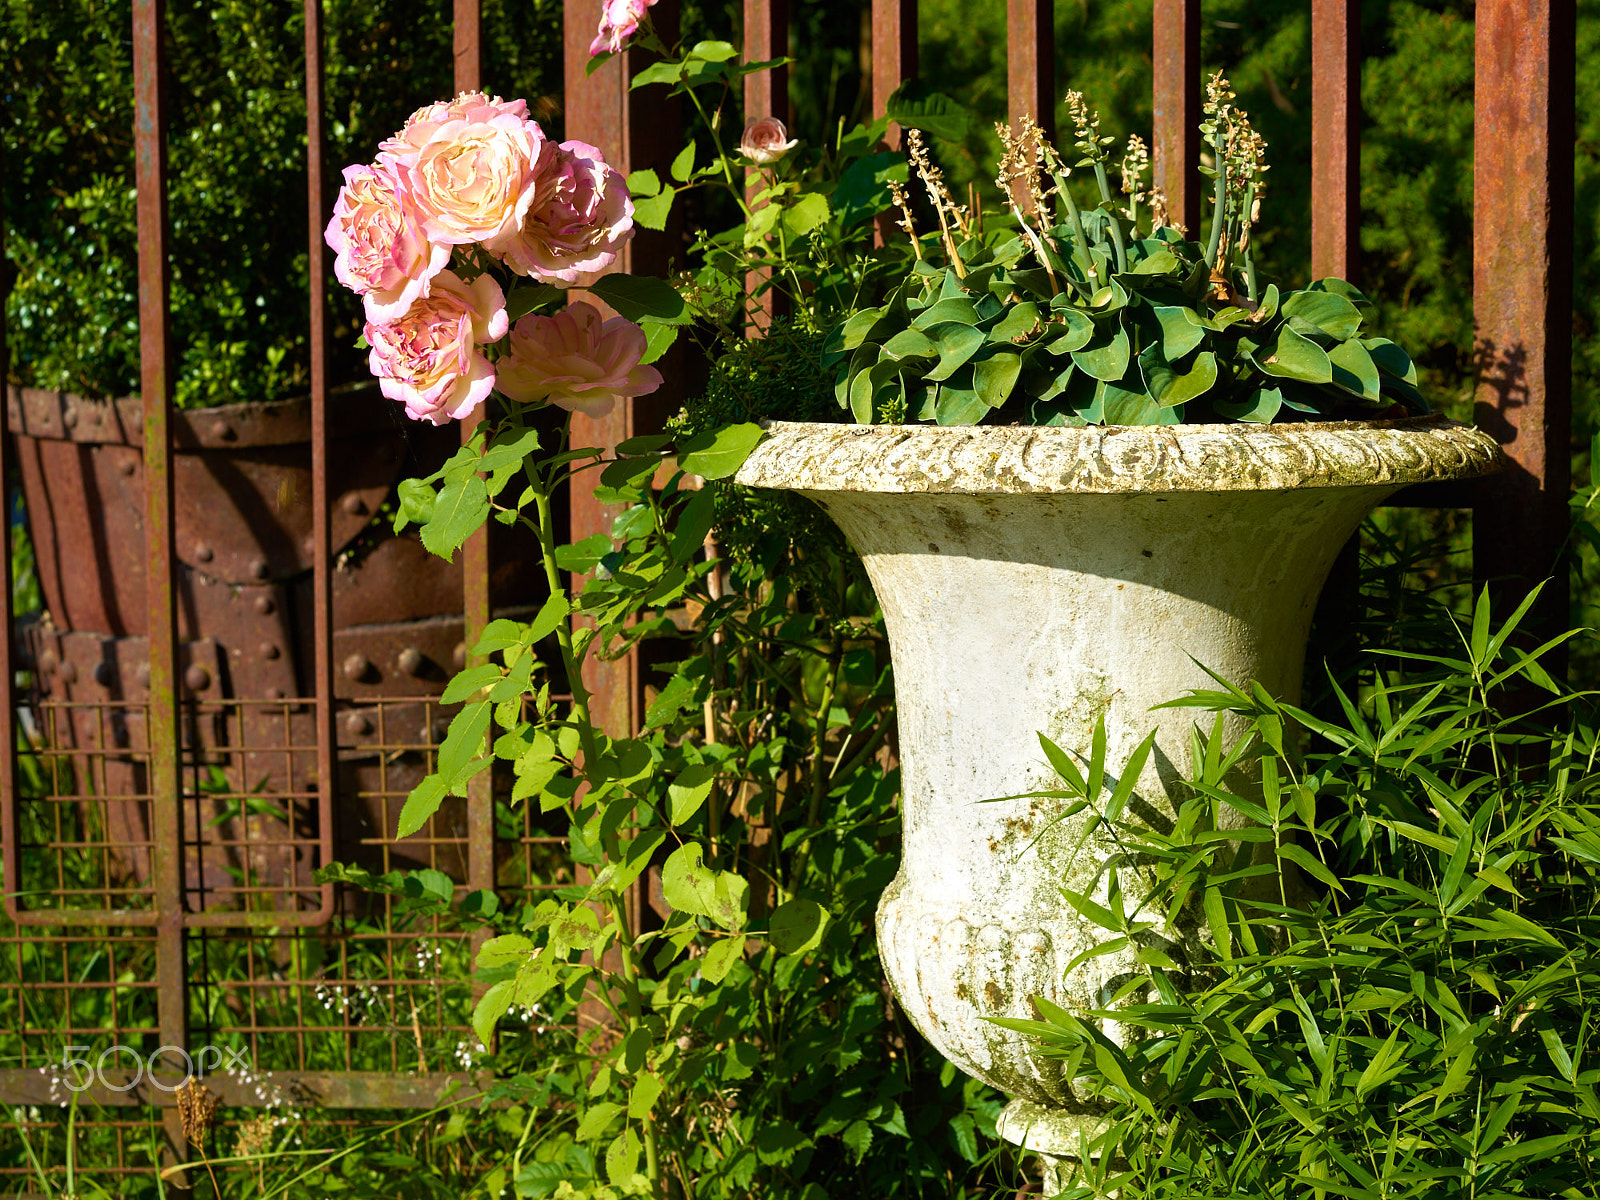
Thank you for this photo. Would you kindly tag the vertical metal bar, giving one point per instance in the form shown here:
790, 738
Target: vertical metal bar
475, 553
321, 524
766, 94
1176, 154
162, 724
9, 814
1031, 62
1336, 138
468, 42
1523, 131
1336, 251
766, 36
894, 55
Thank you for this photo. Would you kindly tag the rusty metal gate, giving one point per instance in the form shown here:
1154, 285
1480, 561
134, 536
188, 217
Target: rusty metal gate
221, 712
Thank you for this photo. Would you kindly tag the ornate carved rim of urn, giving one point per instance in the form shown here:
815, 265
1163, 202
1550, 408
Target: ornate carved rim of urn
1039, 579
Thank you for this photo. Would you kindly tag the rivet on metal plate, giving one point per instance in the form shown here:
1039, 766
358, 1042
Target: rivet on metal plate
411, 660
197, 677
269, 651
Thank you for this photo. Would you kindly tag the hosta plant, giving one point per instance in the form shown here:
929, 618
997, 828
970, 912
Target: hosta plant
1061, 314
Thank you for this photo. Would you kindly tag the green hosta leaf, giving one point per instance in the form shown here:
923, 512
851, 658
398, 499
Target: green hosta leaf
721, 452
1022, 320
1354, 371
957, 344
1332, 314
1169, 384
910, 343
861, 397
1180, 331
1162, 262
1268, 308
807, 213
958, 405
917, 105
1079, 331
1262, 405
797, 926
1106, 357
1391, 359
1122, 407
994, 378
1294, 357
955, 308
860, 327
719, 959
1058, 383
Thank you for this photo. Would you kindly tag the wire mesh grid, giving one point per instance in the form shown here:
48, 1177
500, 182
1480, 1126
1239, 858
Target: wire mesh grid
380, 991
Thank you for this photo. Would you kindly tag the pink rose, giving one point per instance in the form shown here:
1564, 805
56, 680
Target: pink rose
377, 234
427, 359
619, 21
576, 361
579, 219
471, 176
468, 106
766, 141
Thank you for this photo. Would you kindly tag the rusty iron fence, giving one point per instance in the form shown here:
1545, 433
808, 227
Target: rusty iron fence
218, 712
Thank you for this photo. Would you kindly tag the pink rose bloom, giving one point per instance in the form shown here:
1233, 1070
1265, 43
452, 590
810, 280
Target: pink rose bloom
580, 216
766, 141
619, 21
428, 359
576, 361
471, 177
468, 106
377, 234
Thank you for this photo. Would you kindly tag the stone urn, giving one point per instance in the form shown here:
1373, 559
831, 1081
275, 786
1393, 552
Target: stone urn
1039, 580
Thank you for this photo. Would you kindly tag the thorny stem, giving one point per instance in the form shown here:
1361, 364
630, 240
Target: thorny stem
819, 778
545, 528
722, 157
